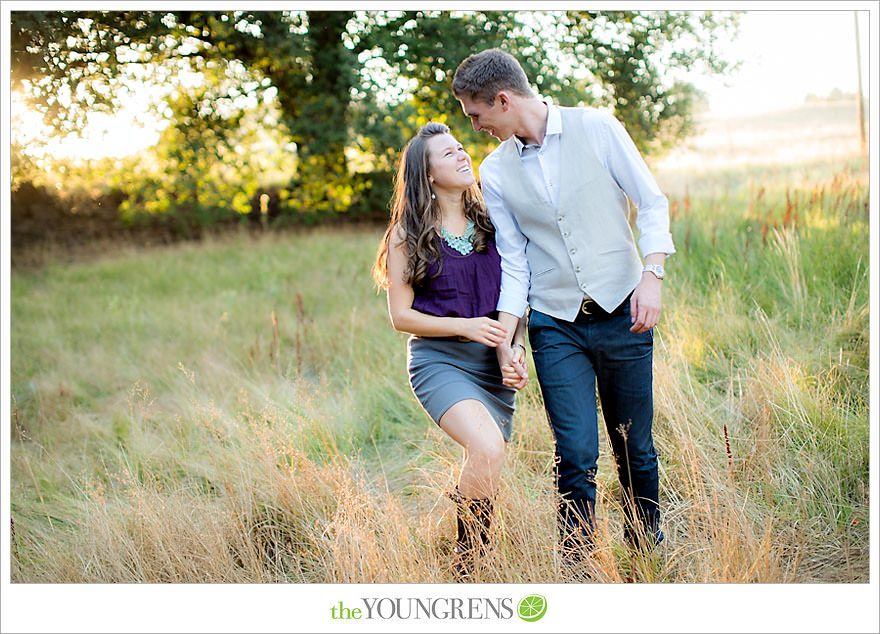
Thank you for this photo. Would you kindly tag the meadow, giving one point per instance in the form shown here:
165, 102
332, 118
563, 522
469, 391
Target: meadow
237, 410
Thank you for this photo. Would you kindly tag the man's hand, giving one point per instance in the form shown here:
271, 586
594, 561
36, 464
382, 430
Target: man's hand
645, 304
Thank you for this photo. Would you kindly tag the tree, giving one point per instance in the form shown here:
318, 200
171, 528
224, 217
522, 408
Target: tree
634, 61
71, 63
366, 80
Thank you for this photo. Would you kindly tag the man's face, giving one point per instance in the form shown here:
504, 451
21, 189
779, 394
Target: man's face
493, 119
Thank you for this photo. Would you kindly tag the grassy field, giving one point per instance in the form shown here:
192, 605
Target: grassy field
238, 410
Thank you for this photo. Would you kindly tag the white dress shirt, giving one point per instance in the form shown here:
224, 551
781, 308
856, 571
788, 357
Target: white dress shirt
613, 148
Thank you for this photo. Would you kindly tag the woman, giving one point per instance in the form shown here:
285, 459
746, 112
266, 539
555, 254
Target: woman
442, 274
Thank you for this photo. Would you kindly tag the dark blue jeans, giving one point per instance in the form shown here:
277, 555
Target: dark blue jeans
571, 361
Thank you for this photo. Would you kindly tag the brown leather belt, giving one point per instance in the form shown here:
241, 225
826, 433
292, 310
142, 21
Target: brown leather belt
591, 311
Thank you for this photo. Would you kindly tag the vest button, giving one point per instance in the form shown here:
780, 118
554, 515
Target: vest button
561, 218
577, 269
573, 251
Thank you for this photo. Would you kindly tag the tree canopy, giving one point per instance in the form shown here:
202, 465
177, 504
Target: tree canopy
350, 87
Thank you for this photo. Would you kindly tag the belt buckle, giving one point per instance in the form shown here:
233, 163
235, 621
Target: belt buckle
584, 306
463, 339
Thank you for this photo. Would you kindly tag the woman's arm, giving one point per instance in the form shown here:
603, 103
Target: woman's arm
406, 319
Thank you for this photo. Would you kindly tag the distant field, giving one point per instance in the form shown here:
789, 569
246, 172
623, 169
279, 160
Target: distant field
238, 410
801, 143
817, 130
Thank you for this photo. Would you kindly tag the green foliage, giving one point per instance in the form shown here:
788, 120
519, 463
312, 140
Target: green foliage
25, 167
349, 87
212, 168
419, 52
634, 60
72, 63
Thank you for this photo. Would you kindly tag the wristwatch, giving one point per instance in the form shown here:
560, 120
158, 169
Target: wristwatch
656, 269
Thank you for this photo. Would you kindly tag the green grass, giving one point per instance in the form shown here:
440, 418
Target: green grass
238, 411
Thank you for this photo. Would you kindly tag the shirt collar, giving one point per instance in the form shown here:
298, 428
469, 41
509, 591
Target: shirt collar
554, 126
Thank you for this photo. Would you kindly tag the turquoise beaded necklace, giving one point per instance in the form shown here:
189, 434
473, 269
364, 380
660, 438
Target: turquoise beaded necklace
463, 243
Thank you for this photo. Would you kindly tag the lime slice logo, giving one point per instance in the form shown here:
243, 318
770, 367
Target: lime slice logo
532, 608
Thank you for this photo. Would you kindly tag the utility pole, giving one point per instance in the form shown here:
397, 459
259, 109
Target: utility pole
861, 98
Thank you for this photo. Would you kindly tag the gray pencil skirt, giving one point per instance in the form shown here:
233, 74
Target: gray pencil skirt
443, 372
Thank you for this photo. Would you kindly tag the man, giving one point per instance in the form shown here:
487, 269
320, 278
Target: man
557, 188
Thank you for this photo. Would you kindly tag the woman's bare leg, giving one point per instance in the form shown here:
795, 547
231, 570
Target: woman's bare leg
469, 423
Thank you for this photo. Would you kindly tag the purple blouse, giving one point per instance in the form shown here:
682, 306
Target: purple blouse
468, 286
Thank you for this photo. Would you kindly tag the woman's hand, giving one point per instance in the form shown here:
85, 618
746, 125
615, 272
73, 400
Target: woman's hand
485, 330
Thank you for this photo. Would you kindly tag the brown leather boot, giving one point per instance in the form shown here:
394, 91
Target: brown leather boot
473, 522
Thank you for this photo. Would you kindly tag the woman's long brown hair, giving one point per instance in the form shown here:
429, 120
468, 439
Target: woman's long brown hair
418, 215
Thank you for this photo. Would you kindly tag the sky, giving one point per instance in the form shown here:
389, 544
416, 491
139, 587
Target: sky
785, 54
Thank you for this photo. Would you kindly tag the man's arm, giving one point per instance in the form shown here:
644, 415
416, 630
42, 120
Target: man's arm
511, 245
629, 170
513, 299
512, 356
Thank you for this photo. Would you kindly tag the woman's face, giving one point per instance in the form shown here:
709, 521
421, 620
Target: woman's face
450, 164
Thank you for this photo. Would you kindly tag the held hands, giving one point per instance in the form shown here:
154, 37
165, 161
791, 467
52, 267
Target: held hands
512, 361
485, 330
645, 304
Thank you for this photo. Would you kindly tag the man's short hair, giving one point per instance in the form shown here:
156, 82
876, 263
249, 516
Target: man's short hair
483, 75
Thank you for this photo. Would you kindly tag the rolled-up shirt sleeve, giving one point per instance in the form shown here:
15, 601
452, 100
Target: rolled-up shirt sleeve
511, 245
629, 170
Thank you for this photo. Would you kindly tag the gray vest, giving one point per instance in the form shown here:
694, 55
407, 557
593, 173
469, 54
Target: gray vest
586, 246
